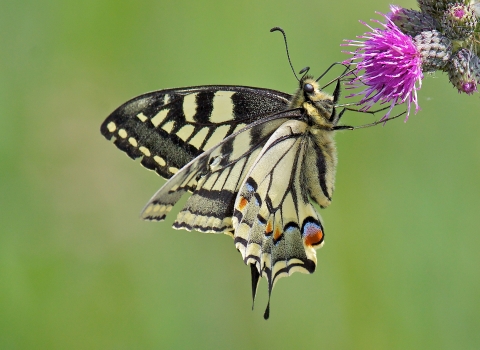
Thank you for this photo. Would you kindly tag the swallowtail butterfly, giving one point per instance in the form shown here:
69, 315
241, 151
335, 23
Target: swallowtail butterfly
254, 160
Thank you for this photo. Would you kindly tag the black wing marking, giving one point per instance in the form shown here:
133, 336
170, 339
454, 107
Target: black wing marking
169, 128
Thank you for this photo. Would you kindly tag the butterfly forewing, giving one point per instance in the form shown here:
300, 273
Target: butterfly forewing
169, 128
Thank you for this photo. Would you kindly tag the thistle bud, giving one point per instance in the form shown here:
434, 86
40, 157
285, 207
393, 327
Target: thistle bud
464, 71
412, 22
459, 21
435, 8
434, 48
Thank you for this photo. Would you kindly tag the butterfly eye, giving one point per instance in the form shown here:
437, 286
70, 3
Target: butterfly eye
308, 88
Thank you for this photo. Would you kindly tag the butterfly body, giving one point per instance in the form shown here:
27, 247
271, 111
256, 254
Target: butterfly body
254, 159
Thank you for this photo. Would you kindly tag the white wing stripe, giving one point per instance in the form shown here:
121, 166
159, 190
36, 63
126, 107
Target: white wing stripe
189, 107
222, 106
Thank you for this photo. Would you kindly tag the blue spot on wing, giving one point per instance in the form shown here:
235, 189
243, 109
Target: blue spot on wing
310, 228
251, 185
258, 200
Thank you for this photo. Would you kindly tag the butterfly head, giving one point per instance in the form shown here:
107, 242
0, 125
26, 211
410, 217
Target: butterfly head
319, 106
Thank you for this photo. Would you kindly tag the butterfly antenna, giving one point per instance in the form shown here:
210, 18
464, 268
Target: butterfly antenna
331, 66
347, 72
304, 71
278, 29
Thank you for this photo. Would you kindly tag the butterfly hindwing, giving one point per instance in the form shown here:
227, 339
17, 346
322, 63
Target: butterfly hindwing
276, 227
169, 128
215, 177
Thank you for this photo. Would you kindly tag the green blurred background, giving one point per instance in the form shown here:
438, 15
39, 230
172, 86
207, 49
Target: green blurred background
80, 270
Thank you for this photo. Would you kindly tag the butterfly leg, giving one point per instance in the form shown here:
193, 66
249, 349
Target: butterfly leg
336, 92
381, 121
341, 127
346, 106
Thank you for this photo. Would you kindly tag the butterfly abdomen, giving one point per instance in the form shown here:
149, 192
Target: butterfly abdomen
320, 167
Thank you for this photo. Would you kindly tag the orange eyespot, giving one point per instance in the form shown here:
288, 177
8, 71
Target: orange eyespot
312, 233
314, 239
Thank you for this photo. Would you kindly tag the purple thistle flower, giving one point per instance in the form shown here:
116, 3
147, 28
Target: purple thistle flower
391, 65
